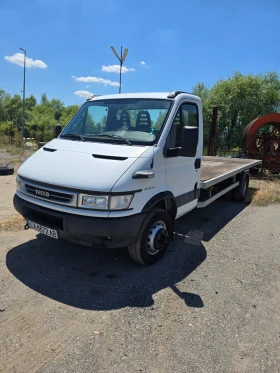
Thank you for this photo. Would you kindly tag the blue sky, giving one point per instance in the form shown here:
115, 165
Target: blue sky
172, 45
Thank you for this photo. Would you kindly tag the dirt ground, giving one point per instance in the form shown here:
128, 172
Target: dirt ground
211, 305
13, 156
8, 183
7, 190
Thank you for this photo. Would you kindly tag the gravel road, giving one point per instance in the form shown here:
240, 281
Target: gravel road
211, 305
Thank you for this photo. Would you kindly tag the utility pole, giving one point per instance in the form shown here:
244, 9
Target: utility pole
23, 93
121, 59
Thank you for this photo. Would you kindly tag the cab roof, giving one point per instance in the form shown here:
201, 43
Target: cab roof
148, 95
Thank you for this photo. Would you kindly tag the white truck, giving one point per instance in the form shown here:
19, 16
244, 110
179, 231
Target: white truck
123, 170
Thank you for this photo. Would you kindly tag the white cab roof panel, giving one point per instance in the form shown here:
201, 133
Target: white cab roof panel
148, 95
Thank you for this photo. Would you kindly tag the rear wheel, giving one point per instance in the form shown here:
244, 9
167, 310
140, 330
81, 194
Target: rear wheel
240, 192
153, 238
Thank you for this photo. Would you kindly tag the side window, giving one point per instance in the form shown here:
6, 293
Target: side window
187, 115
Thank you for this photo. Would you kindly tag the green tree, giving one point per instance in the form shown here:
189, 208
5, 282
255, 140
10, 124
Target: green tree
67, 113
44, 99
203, 92
13, 109
57, 107
41, 122
40, 119
4, 98
6, 129
240, 99
30, 103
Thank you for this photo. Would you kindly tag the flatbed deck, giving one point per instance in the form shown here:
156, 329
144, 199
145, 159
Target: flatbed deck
219, 175
217, 169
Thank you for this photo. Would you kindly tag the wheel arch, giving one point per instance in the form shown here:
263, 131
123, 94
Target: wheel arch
165, 201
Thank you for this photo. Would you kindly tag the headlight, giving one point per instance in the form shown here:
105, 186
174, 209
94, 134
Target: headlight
93, 202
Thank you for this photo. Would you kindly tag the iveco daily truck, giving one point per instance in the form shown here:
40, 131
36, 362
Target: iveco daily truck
123, 170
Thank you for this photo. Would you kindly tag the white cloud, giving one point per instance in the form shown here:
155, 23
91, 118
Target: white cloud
126, 69
111, 68
143, 64
84, 94
18, 59
94, 79
116, 69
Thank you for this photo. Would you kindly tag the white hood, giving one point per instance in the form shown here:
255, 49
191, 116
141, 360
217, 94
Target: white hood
80, 165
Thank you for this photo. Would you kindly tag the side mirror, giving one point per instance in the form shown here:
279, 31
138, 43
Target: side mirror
57, 130
189, 141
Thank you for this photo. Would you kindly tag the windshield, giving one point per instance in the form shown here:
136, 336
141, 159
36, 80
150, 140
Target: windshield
127, 121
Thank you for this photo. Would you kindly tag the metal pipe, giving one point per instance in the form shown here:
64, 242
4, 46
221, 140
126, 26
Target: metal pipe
121, 62
212, 135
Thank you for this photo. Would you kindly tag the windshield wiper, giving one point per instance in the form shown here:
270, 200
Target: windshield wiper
113, 136
74, 136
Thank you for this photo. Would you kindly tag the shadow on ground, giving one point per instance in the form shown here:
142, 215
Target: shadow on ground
106, 279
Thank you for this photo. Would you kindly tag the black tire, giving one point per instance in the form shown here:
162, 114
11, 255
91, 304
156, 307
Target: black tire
153, 238
6, 170
240, 192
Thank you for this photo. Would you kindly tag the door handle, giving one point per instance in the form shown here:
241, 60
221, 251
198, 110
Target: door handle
197, 163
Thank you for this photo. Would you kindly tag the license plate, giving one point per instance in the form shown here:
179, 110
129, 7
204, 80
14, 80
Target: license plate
42, 229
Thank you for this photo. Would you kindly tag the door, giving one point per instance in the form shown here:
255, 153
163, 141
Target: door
182, 173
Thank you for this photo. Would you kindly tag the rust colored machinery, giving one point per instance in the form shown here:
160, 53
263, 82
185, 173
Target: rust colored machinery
261, 140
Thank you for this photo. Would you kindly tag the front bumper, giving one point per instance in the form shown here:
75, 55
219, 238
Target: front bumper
101, 232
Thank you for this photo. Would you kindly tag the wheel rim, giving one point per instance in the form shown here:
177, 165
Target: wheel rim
157, 238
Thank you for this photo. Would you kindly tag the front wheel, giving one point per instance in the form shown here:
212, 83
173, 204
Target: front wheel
153, 238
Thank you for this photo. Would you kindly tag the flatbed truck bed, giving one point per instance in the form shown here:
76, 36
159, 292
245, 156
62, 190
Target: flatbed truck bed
219, 175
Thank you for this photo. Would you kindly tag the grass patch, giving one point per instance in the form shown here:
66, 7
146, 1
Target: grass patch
263, 192
13, 153
15, 150
12, 223
19, 151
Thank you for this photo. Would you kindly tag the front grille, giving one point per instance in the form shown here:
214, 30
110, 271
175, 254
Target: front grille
50, 194
54, 196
